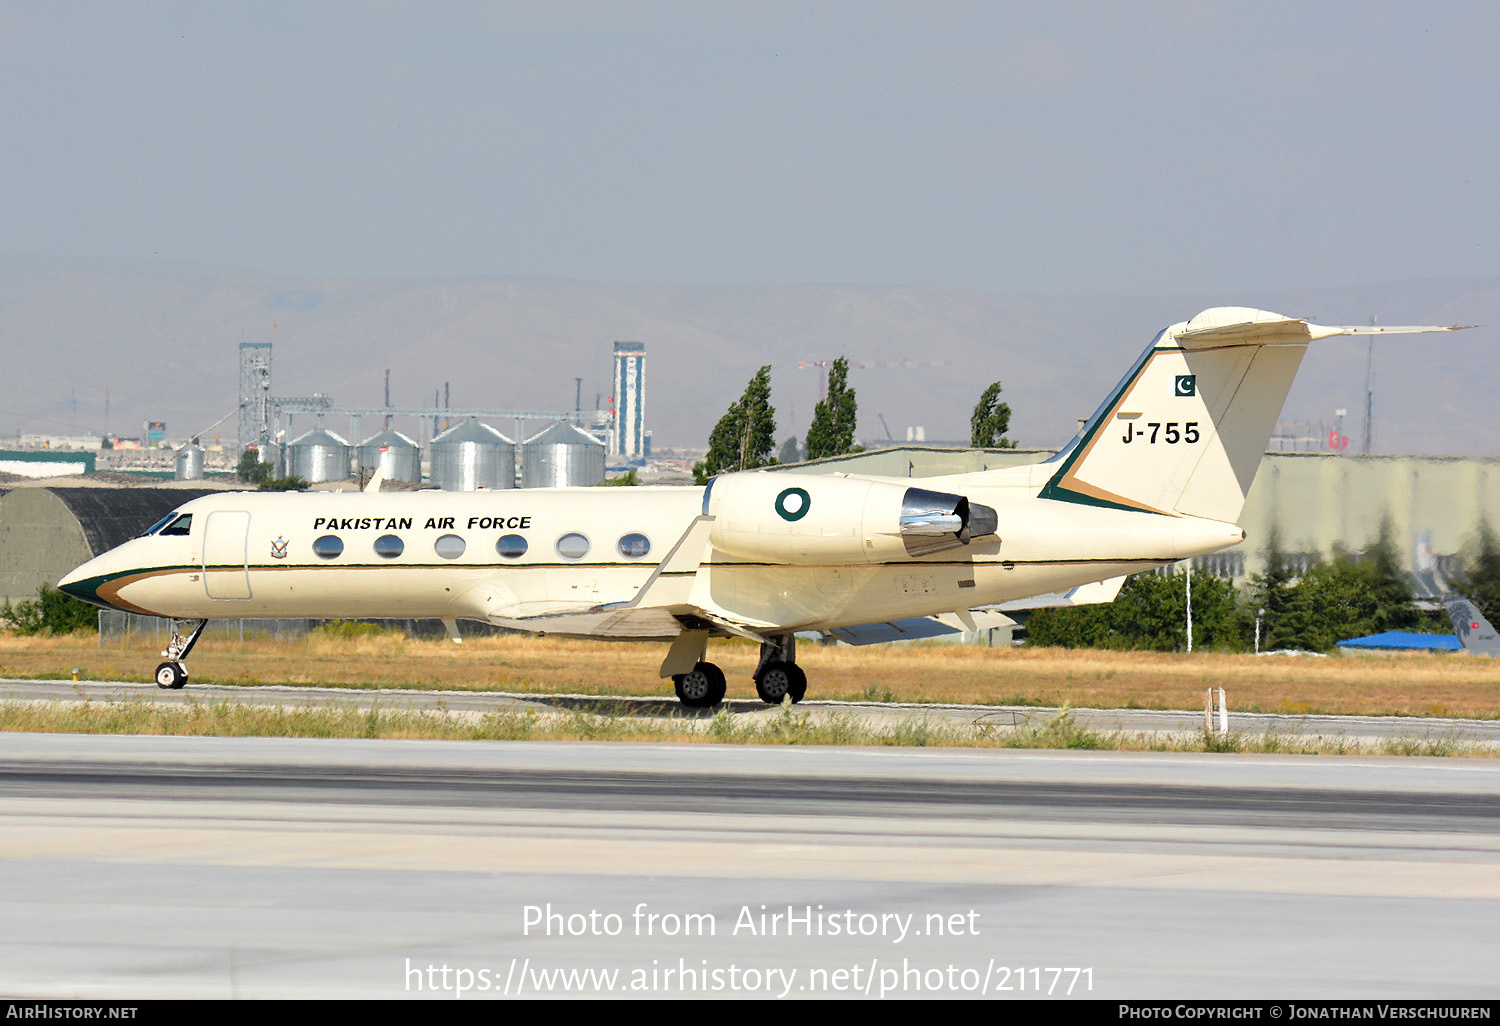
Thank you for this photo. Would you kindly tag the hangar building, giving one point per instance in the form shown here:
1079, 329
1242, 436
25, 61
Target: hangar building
45, 532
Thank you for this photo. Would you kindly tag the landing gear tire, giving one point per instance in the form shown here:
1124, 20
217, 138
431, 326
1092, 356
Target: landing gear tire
776, 680
700, 687
171, 676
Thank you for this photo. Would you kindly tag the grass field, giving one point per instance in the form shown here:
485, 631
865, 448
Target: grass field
787, 726
1405, 685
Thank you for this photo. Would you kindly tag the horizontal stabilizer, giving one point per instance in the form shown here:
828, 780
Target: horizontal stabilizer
894, 630
1083, 595
1242, 326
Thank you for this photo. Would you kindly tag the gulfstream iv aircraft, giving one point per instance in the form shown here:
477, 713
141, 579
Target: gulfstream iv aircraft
1158, 474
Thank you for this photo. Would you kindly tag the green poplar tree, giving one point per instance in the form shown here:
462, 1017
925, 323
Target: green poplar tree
1271, 590
832, 430
1479, 578
745, 436
990, 421
1395, 609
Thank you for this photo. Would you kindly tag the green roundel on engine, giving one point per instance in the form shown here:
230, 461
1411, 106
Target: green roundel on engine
793, 504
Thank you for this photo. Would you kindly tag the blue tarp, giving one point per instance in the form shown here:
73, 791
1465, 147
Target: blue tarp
1406, 640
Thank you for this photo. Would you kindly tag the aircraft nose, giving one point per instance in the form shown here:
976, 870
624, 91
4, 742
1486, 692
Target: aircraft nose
82, 583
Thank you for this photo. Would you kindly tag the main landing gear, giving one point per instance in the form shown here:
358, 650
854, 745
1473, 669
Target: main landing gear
700, 687
173, 674
777, 677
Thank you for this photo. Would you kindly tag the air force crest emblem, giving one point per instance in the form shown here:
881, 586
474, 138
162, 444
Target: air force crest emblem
1187, 384
278, 548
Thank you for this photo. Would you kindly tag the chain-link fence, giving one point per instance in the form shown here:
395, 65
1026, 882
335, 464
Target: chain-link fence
119, 628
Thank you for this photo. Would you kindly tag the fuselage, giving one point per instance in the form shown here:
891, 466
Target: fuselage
571, 561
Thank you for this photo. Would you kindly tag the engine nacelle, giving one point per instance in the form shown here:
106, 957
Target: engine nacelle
808, 519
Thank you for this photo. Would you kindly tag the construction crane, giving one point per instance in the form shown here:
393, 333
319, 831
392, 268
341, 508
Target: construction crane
867, 365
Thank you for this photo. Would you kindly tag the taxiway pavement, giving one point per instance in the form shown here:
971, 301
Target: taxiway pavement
166, 866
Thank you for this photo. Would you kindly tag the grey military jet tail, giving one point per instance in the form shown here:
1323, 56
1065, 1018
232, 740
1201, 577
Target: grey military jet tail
1474, 632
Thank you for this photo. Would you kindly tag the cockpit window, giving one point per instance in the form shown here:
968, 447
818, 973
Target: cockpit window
182, 526
163, 522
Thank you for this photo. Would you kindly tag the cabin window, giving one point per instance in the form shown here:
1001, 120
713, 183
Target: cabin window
388, 546
328, 547
511, 546
181, 527
634, 546
572, 546
449, 546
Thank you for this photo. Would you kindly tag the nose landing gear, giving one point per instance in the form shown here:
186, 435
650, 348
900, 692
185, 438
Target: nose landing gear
173, 674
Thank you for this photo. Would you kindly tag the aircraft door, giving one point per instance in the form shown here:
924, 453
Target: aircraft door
226, 555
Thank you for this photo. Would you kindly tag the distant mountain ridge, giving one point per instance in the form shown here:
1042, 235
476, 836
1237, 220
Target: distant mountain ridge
163, 339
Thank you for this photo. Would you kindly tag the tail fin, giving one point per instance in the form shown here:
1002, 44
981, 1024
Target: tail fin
1474, 632
1184, 431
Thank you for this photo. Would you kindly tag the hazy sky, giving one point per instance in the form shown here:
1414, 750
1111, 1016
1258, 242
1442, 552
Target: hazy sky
1090, 147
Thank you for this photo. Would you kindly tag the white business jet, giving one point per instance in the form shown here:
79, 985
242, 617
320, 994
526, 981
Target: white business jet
1158, 474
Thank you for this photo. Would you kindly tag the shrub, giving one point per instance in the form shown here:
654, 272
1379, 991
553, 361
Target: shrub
51, 612
349, 629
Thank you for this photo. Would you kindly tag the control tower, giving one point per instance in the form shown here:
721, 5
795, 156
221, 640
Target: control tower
629, 436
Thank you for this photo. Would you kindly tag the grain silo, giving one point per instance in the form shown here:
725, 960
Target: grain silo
396, 455
188, 463
561, 456
319, 455
471, 456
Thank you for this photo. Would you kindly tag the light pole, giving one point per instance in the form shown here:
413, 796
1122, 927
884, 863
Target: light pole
1190, 605
1258, 614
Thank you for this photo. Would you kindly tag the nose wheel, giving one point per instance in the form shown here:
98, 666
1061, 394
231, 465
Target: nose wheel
172, 675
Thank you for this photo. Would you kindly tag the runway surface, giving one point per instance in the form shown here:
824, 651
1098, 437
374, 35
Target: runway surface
160, 866
1420, 728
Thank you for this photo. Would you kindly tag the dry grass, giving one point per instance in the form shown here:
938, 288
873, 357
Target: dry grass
790, 726
1408, 685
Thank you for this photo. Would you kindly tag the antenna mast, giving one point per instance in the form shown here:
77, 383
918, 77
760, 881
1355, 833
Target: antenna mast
1369, 390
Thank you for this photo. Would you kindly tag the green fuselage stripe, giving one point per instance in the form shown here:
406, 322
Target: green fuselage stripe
1053, 489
